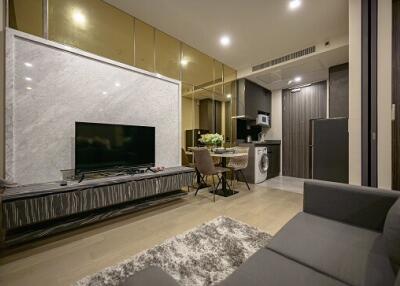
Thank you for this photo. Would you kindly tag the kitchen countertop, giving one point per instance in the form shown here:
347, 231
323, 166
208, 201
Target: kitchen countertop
263, 143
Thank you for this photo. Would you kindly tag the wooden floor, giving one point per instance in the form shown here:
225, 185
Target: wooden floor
64, 259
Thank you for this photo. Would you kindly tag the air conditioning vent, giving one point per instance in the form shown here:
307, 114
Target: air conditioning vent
286, 58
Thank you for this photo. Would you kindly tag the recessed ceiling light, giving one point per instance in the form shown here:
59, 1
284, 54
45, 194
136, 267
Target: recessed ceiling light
294, 4
29, 65
225, 41
229, 95
117, 84
28, 78
78, 17
104, 93
184, 62
28, 88
290, 82
297, 79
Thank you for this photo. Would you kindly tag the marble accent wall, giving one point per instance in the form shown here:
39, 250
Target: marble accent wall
50, 86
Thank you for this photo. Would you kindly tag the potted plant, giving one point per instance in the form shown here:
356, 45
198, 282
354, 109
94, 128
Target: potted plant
212, 140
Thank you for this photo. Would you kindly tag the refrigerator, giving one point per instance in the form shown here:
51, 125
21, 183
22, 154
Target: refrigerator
329, 149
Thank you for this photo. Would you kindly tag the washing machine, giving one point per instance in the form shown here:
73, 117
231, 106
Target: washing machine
261, 162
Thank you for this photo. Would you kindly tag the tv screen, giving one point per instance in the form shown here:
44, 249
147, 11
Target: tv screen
107, 146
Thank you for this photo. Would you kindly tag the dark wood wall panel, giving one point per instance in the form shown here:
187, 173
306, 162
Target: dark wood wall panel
396, 96
339, 91
297, 109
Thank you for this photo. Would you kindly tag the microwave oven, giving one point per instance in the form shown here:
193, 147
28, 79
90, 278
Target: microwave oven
263, 120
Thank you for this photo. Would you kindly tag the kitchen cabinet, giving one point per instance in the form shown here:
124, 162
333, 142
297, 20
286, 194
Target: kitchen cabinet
252, 99
274, 158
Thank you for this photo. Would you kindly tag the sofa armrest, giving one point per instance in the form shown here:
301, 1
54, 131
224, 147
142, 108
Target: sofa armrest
359, 206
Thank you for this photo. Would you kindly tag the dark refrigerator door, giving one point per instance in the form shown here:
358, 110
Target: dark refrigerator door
330, 150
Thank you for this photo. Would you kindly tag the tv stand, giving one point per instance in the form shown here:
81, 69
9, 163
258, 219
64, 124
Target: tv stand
34, 211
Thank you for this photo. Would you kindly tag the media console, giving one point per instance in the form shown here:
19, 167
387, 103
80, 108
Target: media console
34, 211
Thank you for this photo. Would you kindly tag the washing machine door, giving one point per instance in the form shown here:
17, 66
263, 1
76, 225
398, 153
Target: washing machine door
264, 162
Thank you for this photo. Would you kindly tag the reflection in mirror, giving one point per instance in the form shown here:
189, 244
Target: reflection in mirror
26, 16
190, 116
86, 25
167, 54
197, 68
230, 111
144, 46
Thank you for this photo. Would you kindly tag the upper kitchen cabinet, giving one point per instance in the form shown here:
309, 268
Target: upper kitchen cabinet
252, 99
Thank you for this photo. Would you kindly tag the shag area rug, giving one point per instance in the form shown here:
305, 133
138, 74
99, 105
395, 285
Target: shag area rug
204, 255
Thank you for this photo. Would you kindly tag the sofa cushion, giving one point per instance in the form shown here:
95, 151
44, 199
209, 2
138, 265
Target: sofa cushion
391, 233
353, 255
152, 276
266, 267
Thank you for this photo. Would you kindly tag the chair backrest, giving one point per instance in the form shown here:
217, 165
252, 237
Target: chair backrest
203, 161
242, 161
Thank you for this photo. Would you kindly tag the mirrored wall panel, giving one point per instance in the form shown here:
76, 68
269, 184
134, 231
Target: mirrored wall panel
26, 16
167, 55
92, 26
144, 46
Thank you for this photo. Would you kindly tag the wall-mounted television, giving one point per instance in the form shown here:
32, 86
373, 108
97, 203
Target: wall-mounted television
109, 146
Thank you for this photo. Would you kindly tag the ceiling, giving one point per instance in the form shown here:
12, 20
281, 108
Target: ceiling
260, 30
310, 69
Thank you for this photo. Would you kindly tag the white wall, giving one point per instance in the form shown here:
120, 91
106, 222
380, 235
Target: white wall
384, 93
69, 85
2, 108
275, 132
355, 92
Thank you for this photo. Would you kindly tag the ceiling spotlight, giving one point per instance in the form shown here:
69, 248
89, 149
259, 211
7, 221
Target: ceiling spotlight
28, 78
29, 65
79, 18
28, 88
290, 82
117, 84
229, 95
225, 41
294, 4
184, 62
104, 93
297, 79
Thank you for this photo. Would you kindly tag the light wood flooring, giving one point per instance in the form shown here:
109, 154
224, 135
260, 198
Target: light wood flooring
64, 259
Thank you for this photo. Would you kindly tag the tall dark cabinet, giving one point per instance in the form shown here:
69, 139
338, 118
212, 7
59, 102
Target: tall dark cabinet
339, 91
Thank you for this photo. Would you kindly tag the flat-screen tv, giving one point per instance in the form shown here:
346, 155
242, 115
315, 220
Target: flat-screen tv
109, 146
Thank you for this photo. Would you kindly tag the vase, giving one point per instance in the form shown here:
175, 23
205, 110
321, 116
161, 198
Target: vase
210, 148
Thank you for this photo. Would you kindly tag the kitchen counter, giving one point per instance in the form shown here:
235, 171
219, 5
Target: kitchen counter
263, 143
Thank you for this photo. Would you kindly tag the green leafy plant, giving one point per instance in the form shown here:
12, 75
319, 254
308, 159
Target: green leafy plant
212, 139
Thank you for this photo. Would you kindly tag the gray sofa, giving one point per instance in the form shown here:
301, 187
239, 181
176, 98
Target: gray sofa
346, 235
